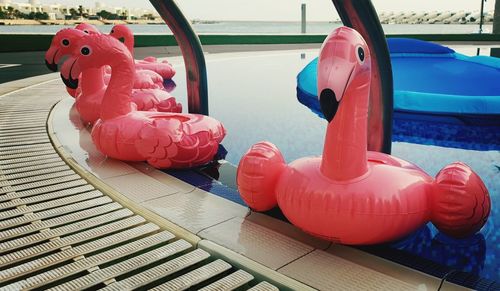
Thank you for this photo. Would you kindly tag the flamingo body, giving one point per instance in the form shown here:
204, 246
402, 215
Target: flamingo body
164, 140
351, 195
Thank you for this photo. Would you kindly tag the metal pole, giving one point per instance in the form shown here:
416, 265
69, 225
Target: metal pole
481, 17
481, 23
358, 14
192, 52
303, 22
495, 52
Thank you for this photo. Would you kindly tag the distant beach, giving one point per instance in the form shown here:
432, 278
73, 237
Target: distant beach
262, 27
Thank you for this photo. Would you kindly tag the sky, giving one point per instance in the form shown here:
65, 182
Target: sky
283, 10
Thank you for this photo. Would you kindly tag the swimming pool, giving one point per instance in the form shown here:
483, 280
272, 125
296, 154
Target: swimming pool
254, 95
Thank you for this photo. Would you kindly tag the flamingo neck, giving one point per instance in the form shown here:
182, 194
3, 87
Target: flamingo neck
92, 81
116, 101
129, 43
344, 153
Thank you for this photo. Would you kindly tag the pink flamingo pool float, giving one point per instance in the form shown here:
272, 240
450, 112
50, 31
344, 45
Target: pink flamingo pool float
125, 35
351, 195
89, 98
143, 78
164, 140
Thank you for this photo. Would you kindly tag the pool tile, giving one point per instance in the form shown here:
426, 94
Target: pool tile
163, 177
335, 273
196, 210
256, 242
140, 187
190, 176
384, 266
288, 230
224, 192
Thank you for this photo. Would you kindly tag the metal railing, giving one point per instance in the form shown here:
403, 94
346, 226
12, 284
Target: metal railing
358, 14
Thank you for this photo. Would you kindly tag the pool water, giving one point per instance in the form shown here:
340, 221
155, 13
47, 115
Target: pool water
254, 95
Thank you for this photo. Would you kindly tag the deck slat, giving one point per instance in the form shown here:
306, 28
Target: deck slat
81, 237
81, 250
24, 148
6, 163
39, 172
40, 198
230, 282
29, 169
86, 263
163, 270
27, 154
57, 221
17, 221
31, 179
35, 187
195, 277
121, 268
50, 204
264, 286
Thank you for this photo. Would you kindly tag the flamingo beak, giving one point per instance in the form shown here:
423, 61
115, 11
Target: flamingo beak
70, 73
51, 58
336, 79
51, 66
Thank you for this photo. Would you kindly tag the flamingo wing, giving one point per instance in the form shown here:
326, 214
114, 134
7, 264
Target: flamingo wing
157, 141
179, 140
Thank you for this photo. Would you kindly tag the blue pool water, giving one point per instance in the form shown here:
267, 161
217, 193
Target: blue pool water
254, 95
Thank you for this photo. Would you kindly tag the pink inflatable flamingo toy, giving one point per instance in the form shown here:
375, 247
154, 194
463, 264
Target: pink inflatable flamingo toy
92, 87
350, 195
144, 79
164, 140
125, 35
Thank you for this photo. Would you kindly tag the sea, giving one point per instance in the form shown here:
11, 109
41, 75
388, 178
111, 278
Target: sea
264, 27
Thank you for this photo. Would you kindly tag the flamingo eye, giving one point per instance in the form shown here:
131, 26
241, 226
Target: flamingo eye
85, 51
112, 31
360, 54
86, 31
65, 42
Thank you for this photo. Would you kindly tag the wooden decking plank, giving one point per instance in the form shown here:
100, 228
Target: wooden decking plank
53, 212
26, 188
86, 263
195, 277
160, 271
230, 282
50, 204
32, 179
126, 266
50, 196
83, 249
32, 173
43, 190
59, 243
57, 221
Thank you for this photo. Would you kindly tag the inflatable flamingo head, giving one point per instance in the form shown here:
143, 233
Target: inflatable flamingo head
94, 51
123, 33
344, 60
62, 44
87, 28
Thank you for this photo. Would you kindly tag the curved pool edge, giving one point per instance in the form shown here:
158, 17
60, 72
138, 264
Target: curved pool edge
262, 272
293, 250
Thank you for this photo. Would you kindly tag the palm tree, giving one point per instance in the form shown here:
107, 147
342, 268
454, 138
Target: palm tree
10, 11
